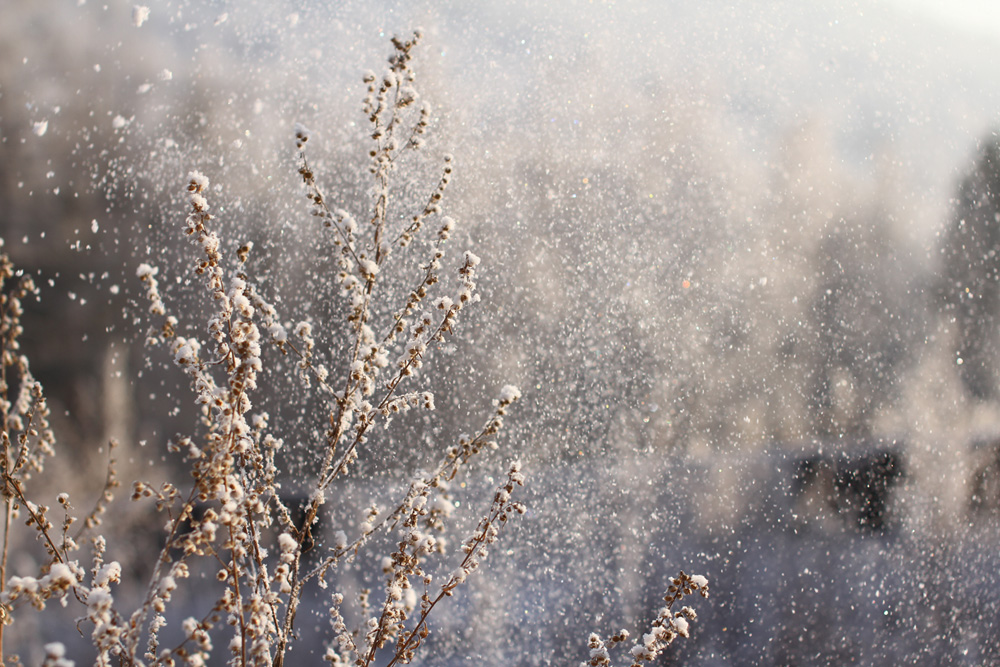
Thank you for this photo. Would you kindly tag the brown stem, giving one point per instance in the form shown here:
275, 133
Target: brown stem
235, 573
19, 492
9, 511
449, 586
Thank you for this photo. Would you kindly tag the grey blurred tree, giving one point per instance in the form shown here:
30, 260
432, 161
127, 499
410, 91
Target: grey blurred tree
970, 288
859, 315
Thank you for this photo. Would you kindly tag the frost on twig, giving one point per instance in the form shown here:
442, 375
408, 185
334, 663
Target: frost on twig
665, 628
234, 506
232, 541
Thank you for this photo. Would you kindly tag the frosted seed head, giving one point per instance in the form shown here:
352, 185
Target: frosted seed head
197, 182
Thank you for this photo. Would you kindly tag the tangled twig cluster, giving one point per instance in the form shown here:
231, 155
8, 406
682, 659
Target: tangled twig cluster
229, 515
665, 628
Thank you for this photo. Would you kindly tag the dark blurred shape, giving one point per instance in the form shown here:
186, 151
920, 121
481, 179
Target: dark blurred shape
984, 492
858, 488
971, 271
865, 485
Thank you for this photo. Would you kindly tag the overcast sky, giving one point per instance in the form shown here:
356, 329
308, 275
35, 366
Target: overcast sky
976, 16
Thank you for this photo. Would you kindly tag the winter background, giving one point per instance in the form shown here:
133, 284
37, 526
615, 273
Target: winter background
720, 259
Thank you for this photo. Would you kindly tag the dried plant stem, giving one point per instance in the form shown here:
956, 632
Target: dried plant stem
228, 514
8, 514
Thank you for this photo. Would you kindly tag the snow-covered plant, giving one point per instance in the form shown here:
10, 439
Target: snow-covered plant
227, 517
28, 442
231, 512
665, 628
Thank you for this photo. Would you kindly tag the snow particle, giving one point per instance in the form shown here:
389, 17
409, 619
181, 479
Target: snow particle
140, 13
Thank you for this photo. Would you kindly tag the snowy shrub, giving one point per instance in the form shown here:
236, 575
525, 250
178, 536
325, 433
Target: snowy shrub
230, 535
665, 628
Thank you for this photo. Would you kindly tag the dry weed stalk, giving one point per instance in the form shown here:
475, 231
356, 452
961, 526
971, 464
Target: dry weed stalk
231, 512
665, 628
28, 441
